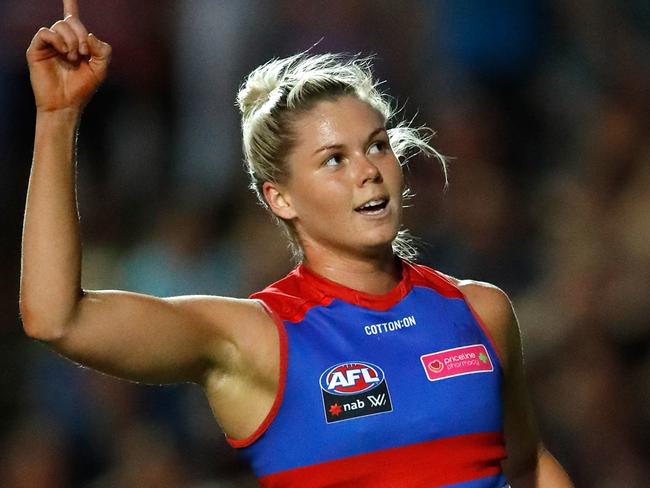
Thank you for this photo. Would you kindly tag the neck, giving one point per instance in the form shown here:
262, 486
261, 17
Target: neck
377, 274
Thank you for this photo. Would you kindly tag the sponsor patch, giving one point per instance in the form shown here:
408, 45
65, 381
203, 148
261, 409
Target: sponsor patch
354, 389
457, 362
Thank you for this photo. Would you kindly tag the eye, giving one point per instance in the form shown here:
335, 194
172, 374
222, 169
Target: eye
378, 147
333, 160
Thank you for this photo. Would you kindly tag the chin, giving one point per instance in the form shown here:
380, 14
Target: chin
380, 243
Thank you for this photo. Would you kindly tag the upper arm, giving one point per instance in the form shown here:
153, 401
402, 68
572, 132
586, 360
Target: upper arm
161, 340
523, 442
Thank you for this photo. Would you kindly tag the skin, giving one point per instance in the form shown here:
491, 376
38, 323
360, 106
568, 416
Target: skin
229, 346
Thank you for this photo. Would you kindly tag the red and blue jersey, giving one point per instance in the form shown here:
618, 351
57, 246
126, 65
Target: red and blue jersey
401, 389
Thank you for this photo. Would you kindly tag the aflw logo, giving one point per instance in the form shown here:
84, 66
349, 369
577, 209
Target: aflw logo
378, 400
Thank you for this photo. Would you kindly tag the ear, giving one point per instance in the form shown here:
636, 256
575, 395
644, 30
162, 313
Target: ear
278, 200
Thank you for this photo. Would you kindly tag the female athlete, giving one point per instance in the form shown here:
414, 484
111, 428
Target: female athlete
359, 368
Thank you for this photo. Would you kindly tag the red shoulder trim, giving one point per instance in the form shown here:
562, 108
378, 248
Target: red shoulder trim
424, 276
282, 333
291, 298
459, 294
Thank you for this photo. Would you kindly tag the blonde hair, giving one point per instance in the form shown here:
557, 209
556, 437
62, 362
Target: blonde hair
276, 92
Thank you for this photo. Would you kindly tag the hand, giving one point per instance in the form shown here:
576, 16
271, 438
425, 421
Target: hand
66, 63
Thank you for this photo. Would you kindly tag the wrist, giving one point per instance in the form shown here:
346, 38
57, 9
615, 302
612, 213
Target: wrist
70, 115
56, 128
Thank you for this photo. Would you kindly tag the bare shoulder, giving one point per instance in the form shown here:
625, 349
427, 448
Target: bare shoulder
494, 308
242, 322
217, 309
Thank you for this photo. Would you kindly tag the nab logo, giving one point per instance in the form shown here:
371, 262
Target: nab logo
353, 390
351, 378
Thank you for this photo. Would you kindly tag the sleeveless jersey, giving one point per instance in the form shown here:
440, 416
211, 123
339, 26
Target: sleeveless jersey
395, 390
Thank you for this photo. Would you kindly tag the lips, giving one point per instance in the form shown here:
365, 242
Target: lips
373, 206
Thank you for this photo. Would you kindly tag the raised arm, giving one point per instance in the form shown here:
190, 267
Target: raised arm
66, 66
129, 335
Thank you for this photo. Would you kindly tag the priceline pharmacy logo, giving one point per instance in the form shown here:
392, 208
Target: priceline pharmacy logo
457, 362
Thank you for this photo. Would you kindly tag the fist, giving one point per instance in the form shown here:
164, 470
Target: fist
66, 63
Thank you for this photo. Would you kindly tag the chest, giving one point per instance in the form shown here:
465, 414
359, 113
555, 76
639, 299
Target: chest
423, 369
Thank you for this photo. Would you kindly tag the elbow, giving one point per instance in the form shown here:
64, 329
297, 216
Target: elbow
38, 325
47, 319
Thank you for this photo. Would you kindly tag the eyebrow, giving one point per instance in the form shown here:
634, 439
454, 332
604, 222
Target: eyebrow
339, 146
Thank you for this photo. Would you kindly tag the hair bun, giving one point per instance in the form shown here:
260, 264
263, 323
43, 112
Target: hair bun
260, 87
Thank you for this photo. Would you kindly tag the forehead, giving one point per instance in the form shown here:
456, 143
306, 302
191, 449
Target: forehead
338, 121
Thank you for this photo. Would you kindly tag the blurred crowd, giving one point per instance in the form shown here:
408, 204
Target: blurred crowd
543, 108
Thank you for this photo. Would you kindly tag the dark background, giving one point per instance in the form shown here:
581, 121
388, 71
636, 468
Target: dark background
544, 108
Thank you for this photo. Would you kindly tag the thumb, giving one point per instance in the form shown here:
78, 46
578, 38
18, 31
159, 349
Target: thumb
100, 52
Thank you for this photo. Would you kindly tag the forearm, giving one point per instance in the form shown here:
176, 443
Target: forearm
546, 472
51, 251
550, 473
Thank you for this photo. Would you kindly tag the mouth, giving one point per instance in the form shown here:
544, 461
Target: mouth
373, 207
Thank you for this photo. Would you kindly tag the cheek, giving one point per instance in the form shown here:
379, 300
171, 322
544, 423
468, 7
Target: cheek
318, 199
329, 201
394, 175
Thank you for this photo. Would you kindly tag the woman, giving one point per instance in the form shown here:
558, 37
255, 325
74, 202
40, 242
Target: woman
358, 368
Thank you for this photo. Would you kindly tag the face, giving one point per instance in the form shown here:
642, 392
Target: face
344, 193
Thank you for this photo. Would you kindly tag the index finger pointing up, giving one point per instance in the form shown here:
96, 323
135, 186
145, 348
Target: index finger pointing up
70, 8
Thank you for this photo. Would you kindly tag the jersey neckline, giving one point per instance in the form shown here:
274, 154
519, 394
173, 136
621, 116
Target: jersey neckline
336, 290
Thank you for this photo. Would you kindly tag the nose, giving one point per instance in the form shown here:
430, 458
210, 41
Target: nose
366, 171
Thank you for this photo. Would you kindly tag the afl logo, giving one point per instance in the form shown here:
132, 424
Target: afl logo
351, 378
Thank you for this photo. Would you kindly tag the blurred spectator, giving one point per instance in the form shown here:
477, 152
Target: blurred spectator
212, 42
34, 455
189, 252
